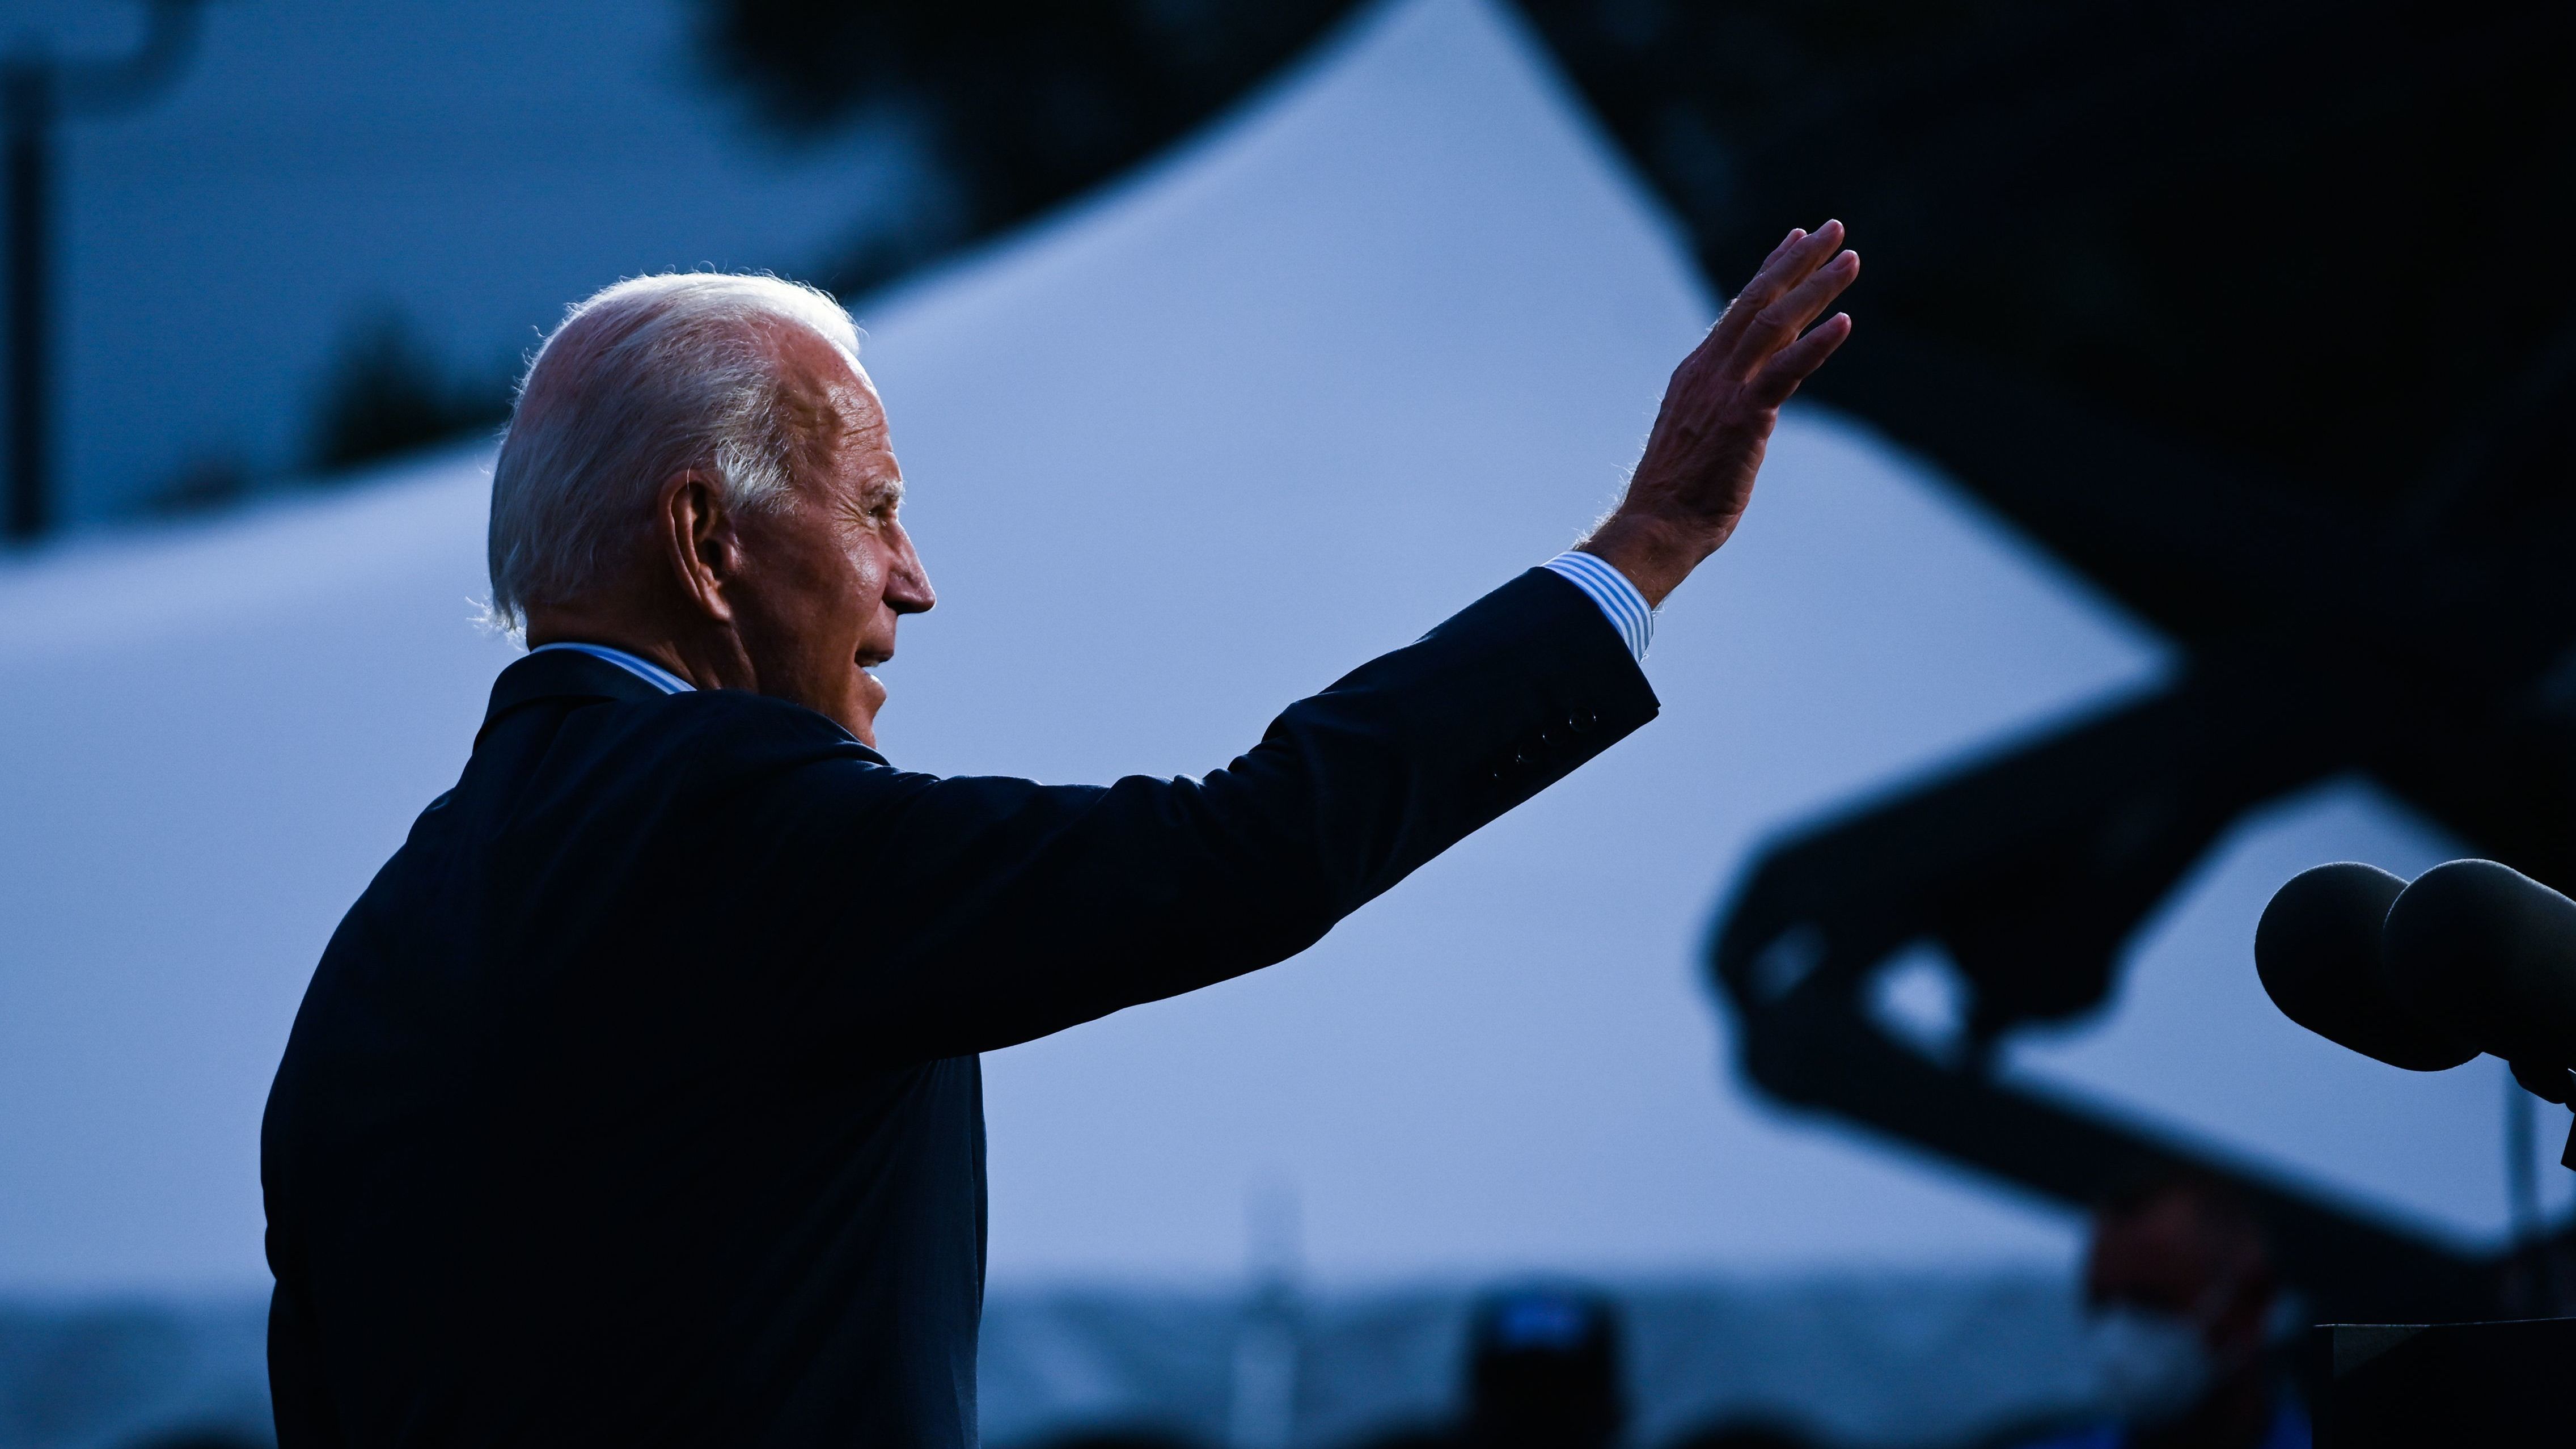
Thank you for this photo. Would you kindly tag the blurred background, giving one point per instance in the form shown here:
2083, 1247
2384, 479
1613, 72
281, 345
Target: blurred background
2191, 507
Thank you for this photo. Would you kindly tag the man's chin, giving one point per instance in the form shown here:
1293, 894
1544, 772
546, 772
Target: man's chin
867, 696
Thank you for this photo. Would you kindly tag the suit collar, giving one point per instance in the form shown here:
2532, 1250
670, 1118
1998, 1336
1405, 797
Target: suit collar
569, 674
564, 674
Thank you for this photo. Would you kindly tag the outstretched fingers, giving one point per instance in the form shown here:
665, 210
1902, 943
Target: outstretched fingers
1795, 363
1778, 325
1789, 266
1796, 235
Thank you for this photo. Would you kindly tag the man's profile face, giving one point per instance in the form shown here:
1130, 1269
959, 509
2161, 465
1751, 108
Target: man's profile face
832, 568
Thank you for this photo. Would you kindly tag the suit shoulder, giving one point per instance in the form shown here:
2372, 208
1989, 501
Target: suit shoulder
735, 726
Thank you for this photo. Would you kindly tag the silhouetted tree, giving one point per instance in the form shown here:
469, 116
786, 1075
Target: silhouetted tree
386, 391
1024, 103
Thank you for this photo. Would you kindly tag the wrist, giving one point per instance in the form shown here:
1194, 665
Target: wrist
1655, 554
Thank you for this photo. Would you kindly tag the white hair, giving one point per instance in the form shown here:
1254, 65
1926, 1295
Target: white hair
644, 380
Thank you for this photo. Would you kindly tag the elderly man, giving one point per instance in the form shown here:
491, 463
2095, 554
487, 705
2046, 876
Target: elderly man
637, 1100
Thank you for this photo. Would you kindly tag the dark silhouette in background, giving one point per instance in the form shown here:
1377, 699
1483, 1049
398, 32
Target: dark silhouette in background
2353, 593
2405, 615
2189, 1253
2390, 599
1026, 104
36, 92
1543, 1371
2354, 517
388, 392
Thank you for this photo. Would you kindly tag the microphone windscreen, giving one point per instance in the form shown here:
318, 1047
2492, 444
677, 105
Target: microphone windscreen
2318, 952
2493, 952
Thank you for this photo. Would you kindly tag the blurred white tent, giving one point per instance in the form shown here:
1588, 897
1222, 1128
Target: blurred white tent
1382, 341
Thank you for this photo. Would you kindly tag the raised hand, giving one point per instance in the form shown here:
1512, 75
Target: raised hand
1697, 475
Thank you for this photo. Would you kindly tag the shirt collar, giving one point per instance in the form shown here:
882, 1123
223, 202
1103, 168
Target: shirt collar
644, 669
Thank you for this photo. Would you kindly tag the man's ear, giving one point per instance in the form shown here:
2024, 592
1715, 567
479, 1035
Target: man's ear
699, 542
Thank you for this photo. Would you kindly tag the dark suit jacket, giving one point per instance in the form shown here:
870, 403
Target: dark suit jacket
636, 1101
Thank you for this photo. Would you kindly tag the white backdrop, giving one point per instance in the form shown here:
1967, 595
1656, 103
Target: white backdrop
1379, 342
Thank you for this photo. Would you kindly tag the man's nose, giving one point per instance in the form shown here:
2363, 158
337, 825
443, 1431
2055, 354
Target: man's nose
908, 588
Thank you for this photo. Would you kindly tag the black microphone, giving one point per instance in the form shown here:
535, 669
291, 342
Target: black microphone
2474, 956
2492, 954
2318, 951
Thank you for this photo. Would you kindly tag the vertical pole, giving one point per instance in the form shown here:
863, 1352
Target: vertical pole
1263, 1410
26, 93
2526, 1273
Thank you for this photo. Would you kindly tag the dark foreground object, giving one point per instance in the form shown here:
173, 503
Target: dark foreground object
2401, 1386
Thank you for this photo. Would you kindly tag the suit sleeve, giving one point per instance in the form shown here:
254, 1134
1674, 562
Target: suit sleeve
990, 911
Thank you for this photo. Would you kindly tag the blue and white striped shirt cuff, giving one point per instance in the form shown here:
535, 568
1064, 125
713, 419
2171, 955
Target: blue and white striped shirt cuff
1619, 600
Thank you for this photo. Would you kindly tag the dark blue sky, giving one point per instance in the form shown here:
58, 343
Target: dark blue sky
475, 163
